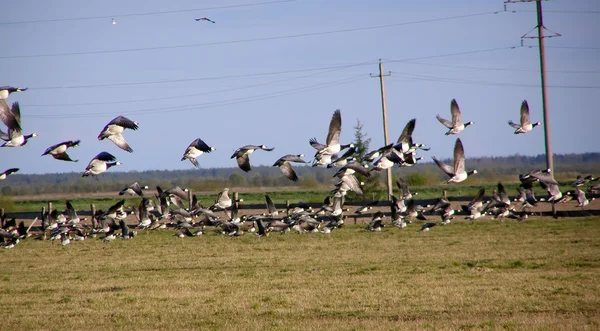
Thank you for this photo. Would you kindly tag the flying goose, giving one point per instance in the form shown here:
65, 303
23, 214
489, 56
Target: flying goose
195, 149
374, 155
284, 164
526, 124
475, 206
349, 183
343, 160
352, 168
114, 129
222, 201
332, 143
5, 91
584, 180
404, 188
12, 119
425, 227
133, 189
271, 209
456, 125
457, 172
376, 224
100, 163
59, 151
7, 172
242, 154
405, 142
204, 19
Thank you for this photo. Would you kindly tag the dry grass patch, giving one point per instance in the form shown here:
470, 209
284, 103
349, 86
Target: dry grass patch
487, 275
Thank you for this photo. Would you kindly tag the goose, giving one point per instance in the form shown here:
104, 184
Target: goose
72, 216
352, 168
397, 205
12, 119
338, 203
100, 163
499, 202
349, 183
195, 149
582, 200
376, 224
457, 172
456, 125
405, 142
584, 180
5, 91
204, 19
306, 224
173, 194
242, 154
374, 155
133, 189
260, 232
285, 165
332, 143
425, 227
526, 124
414, 211
475, 207
223, 201
343, 160
404, 188
114, 129
59, 151
7, 172
271, 209
367, 207
142, 215
441, 204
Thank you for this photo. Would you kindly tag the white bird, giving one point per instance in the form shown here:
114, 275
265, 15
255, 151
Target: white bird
100, 163
526, 124
457, 172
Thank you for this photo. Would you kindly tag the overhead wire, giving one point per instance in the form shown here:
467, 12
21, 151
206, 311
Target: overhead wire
147, 13
299, 35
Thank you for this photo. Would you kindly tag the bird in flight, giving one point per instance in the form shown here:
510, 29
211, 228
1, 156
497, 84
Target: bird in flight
205, 19
113, 21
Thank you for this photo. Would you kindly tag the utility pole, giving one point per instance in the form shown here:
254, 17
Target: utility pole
385, 129
540, 37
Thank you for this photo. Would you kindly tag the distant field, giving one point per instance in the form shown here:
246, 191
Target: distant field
539, 274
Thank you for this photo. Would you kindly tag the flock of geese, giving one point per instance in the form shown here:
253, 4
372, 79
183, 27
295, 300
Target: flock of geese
169, 210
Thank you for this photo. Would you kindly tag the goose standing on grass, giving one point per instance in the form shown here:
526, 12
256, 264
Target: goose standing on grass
285, 165
100, 163
526, 124
456, 125
12, 119
195, 149
242, 154
114, 129
59, 151
7, 172
133, 189
457, 172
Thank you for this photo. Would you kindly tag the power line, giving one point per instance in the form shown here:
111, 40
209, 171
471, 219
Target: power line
335, 68
205, 105
503, 69
454, 54
479, 82
147, 13
181, 80
308, 34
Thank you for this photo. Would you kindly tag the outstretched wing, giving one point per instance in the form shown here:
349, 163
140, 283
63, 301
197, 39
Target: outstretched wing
407, 132
455, 111
288, 171
244, 162
119, 140
446, 168
525, 113
459, 156
444, 121
335, 128
513, 124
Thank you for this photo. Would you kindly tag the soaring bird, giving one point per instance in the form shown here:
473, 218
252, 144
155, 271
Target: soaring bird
242, 154
285, 165
456, 125
7, 172
133, 189
59, 151
204, 19
526, 124
114, 129
195, 149
457, 172
100, 163
332, 143
12, 119
5, 91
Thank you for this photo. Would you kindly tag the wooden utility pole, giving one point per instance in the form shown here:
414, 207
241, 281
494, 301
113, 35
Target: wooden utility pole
385, 126
540, 37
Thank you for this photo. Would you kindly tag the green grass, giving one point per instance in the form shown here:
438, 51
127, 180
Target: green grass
539, 275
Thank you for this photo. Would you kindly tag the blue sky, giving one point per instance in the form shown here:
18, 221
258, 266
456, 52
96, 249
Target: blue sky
273, 73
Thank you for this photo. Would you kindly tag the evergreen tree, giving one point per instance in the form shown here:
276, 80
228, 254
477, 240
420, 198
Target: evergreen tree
372, 184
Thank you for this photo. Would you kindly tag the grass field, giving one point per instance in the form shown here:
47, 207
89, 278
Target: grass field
539, 274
